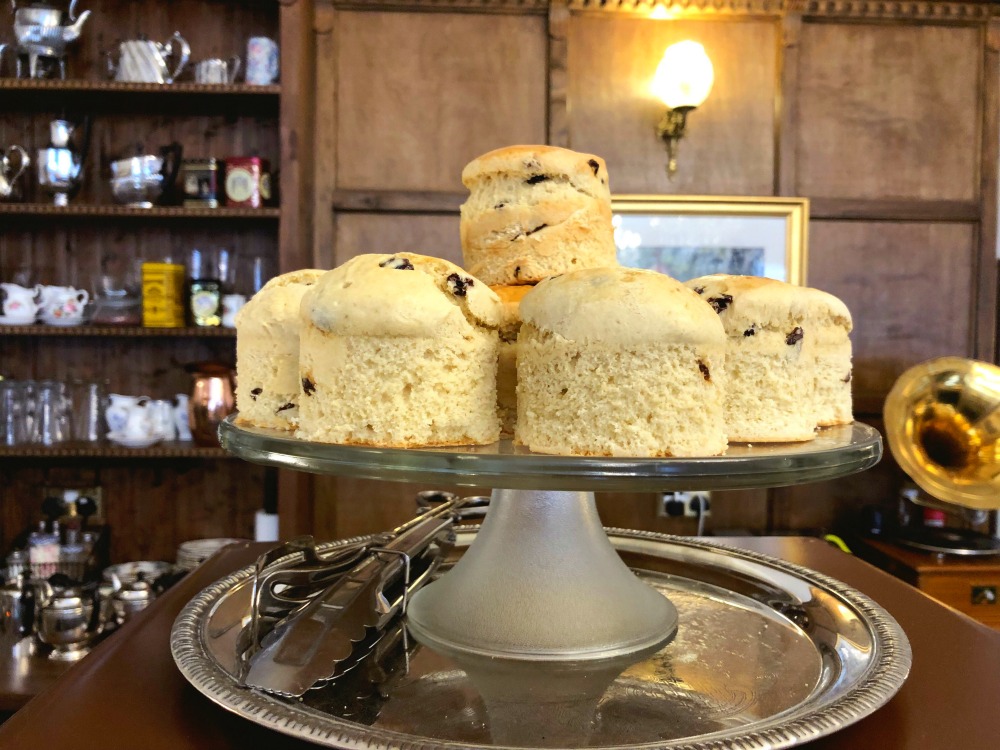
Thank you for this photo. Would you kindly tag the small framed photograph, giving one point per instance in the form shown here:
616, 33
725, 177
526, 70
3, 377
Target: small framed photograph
690, 236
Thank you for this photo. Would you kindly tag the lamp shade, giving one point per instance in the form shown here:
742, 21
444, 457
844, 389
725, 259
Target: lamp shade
684, 76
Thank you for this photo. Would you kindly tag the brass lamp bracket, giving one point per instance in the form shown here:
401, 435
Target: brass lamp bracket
670, 130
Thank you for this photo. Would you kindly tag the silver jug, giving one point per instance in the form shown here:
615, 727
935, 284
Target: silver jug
143, 61
60, 166
8, 177
68, 620
16, 616
41, 33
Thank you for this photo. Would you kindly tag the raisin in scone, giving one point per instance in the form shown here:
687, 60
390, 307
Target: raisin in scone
510, 325
534, 212
788, 357
399, 350
620, 362
267, 352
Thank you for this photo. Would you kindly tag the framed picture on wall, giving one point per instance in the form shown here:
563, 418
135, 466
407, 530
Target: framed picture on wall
690, 236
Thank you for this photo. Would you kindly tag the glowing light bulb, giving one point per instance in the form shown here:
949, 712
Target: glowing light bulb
684, 76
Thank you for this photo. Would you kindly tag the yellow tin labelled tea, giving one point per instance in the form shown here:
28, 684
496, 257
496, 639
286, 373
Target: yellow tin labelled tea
162, 295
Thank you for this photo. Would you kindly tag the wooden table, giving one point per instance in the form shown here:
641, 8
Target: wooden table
25, 674
129, 694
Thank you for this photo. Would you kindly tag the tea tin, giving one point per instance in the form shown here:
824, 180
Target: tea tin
200, 183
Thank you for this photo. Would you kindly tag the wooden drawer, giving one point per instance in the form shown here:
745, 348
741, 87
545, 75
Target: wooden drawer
976, 594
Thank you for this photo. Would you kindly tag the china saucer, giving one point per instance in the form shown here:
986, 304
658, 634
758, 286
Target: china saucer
8, 321
62, 322
133, 442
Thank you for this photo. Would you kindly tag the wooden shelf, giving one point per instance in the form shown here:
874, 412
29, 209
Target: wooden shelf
110, 450
118, 87
120, 98
83, 210
118, 331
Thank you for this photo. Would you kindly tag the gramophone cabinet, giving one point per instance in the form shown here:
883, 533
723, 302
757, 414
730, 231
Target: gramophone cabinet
970, 585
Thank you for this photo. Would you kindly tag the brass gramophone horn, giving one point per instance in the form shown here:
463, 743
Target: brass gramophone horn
942, 419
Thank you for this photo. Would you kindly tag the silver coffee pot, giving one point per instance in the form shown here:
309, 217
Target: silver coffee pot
143, 61
60, 166
8, 177
40, 33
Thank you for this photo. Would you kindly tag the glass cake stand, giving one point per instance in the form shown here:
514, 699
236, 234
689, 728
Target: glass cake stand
541, 636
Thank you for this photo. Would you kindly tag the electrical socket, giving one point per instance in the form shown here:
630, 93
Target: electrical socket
675, 504
695, 500
92, 492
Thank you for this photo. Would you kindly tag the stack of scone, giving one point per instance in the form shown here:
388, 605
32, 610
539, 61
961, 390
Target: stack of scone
532, 212
788, 357
406, 350
399, 350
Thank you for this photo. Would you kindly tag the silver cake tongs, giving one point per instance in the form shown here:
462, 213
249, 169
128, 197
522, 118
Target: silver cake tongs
306, 647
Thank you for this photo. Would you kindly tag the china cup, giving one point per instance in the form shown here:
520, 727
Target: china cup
19, 304
231, 304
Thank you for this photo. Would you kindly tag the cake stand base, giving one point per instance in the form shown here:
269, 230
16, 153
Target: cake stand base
541, 582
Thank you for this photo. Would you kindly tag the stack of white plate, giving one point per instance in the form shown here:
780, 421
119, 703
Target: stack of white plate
193, 553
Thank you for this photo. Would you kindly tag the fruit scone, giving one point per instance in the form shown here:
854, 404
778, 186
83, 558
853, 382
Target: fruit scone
620, 362
788, 357
267, 352
399, 350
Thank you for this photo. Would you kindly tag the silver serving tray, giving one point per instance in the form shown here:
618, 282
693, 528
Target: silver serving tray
767, 655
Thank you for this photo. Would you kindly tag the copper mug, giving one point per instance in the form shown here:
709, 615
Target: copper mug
211, 400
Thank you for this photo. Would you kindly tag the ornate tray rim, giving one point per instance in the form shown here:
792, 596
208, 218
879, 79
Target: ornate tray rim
888, 670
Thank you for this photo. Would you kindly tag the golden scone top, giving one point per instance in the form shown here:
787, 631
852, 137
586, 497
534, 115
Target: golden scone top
277, 302
400, 294
538, 163
745, 301
621, 306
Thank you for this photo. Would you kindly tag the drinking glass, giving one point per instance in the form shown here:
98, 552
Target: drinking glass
248, 273
87, 402
52, 410
11, 419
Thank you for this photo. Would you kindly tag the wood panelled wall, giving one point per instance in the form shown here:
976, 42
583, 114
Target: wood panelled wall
883, 114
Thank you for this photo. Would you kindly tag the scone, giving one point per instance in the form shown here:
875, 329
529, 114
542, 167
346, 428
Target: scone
620, 362
788, 357
401, 351
510, 325
267, 352
535, 211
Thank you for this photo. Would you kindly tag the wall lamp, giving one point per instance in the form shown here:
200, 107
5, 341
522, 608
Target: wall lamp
683, 80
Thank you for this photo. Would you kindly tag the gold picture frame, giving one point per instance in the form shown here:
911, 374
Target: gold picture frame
713, 234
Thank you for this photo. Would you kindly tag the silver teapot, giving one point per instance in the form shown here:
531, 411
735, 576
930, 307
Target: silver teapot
143, 61
68, 620
40, 33
8, 177
60, 166
130, 598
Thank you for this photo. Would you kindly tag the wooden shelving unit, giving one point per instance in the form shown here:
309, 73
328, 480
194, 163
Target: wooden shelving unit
188, 489
119, 331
